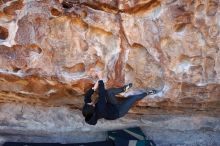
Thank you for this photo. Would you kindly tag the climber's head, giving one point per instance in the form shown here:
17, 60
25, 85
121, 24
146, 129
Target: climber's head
88, 110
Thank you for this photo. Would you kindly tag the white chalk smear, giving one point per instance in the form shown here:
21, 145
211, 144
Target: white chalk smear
19, 73
67, 77
51, 91
182, 67
12, 29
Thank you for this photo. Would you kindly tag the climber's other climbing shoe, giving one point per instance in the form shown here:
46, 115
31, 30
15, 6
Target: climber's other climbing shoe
126, 87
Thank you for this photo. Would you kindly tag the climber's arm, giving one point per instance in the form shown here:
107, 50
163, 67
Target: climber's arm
102, 96
87, 98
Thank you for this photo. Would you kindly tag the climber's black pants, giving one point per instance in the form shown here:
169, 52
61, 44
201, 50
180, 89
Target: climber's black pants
126, 104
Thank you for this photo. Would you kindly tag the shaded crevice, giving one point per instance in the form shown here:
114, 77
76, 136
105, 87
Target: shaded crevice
16, 5
16, 69
67, 4
3, 33
142, 7
113, 9
55, 12
101, 7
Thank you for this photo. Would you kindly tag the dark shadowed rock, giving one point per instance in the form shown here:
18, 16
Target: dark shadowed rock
3, 33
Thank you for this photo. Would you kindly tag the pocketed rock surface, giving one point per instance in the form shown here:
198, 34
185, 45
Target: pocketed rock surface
49, 47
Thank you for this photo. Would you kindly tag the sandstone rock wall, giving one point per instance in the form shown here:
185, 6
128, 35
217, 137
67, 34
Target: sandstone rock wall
48, 48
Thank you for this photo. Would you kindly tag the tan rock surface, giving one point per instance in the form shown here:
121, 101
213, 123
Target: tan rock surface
49, 47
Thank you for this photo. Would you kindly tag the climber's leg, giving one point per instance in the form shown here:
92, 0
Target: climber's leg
128, 102
114, 91
111, 94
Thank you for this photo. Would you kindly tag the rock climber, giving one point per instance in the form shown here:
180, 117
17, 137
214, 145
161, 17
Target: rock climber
107, 105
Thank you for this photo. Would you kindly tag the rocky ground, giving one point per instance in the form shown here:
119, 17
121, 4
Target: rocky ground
28, 123
25, 123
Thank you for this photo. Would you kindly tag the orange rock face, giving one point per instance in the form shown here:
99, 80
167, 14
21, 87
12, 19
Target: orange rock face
3, 33
48, 49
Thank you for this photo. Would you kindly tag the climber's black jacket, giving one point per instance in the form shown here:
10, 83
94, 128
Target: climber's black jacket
103, 109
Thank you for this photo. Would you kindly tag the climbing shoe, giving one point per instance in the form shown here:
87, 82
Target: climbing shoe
126, 87
151, 92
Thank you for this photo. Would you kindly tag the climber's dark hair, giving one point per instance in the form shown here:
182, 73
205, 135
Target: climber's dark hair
88, 111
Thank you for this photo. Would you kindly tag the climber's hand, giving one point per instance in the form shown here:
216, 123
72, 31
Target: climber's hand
91, 103
95, 86
100, 75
